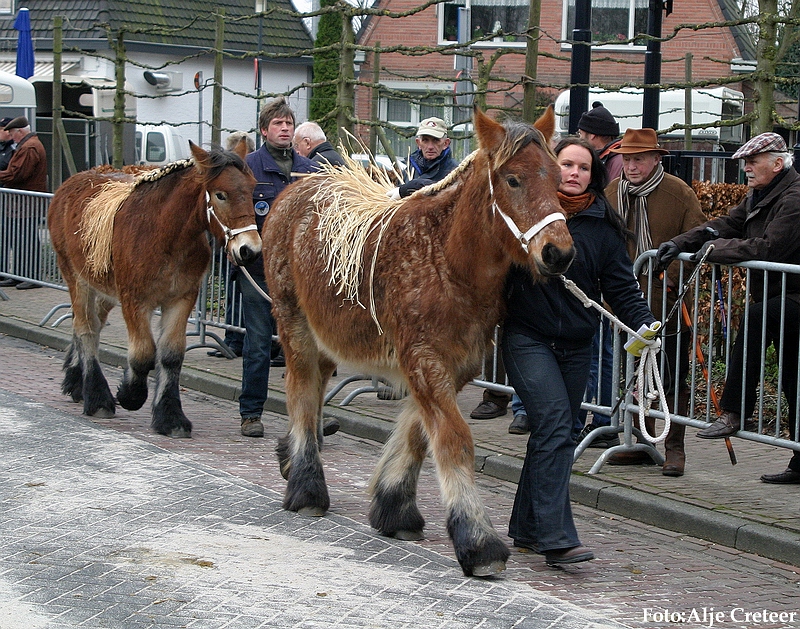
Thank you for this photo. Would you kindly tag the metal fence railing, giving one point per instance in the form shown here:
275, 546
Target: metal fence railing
718, 304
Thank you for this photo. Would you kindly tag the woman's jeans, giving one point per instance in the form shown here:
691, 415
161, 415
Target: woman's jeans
551, 383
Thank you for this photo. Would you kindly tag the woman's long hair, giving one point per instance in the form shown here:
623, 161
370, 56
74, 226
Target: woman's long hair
598, 177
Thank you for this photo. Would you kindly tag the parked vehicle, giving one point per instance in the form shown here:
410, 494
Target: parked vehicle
708, 106
160, 144
17, 98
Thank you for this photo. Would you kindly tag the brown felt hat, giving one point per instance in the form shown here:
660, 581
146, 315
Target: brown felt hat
639, 141
19, 122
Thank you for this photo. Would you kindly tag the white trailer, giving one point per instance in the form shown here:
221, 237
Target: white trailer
709, 105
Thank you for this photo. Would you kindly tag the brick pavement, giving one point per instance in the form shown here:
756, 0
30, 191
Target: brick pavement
637, 566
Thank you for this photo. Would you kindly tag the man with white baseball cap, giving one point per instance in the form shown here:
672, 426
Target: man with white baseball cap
432, 161
762, 227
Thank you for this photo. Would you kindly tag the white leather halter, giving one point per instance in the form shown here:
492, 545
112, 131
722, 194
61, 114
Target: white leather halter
230, 234
524, 238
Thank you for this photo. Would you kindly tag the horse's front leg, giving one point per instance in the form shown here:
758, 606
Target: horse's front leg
298, 452
83, 378
132, 391
393, 487
168, 417
478, 547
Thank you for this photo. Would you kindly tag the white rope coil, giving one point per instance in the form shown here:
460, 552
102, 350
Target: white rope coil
649, 387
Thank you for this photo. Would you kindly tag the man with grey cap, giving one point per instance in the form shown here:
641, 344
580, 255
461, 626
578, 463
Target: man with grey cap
432, 161
762, 227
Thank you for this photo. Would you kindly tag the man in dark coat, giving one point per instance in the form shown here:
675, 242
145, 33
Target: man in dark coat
273, 166
310, 142
6, 144
762, 227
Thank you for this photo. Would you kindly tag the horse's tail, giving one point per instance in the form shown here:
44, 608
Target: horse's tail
97, 224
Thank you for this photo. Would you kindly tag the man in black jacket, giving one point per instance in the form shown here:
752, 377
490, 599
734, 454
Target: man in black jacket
310, 141
6, 144
762, 227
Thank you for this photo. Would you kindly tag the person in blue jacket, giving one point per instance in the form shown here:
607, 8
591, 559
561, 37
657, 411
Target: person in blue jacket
547, 349
272, 166
432, 161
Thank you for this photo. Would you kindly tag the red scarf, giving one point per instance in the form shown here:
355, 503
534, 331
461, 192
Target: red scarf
574, 204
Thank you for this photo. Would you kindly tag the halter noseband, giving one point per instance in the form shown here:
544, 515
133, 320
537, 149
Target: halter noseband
524, 238
230, 234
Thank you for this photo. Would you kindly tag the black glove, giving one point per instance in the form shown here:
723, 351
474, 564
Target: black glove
410, 187
667, 252
698, 255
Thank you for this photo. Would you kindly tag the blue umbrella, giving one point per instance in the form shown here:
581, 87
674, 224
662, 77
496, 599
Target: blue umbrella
24, 44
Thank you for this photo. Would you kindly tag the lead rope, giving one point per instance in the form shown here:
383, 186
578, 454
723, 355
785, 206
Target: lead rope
647, 373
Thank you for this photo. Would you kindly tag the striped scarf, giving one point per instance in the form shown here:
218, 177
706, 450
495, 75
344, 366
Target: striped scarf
641, 226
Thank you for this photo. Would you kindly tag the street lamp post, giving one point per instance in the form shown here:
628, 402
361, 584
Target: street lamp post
260, 8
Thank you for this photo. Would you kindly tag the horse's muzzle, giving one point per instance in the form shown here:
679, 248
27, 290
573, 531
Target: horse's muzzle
555, 259
243, 254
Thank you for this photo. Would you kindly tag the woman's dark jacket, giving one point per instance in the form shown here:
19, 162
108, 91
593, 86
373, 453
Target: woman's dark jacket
548, 312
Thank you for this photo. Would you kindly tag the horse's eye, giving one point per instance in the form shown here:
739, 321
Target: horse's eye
221, 196
512, 181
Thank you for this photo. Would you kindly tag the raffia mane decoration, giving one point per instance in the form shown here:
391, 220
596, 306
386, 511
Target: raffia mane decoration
97, 225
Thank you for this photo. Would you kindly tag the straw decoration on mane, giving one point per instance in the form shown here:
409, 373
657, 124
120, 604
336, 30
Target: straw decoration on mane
97, 225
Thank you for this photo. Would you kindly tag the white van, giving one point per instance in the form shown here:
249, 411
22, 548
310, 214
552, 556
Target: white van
708, 105
160, 144
17, 98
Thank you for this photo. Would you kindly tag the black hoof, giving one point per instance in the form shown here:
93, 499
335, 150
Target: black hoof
130, 397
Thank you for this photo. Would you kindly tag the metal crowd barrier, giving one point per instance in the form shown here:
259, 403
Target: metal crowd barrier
716, 304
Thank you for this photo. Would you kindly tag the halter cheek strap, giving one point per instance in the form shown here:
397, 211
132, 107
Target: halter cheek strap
230, 234
524, 238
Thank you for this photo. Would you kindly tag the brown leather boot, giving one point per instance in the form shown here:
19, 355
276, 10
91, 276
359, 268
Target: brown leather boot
675, 455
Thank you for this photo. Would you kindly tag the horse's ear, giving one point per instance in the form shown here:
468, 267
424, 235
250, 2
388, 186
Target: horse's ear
490, 133
241, 147
547, 123
200, 156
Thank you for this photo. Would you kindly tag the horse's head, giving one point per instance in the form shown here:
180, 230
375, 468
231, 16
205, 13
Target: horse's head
523, 179
229, 186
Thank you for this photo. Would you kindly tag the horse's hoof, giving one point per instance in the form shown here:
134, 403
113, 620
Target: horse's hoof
494, 567
103, 413
180, 433
312, 512
408, 536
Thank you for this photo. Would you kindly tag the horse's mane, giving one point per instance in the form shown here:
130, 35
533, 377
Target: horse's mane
97, 222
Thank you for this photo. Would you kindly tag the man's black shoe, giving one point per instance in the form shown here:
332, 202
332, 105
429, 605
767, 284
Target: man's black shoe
26, 286
789, 477
488, 410
9, 283
278, 361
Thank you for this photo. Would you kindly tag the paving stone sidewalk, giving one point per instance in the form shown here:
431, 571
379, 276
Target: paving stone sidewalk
638, 568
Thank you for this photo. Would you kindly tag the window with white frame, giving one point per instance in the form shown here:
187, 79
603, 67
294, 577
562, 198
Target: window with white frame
508, 19
6, 7
614, 22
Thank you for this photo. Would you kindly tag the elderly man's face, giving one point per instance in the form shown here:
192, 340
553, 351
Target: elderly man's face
432, 147
761, 169
639, 166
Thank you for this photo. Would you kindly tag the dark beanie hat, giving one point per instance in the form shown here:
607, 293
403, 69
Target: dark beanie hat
598, 120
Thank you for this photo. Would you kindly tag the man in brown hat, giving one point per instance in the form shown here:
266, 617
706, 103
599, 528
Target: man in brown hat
762, 227
27, 170
657, 207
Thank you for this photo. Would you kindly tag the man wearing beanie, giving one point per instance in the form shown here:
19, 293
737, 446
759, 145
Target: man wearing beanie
598, 127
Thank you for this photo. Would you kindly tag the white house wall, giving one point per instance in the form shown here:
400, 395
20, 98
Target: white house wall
239, 113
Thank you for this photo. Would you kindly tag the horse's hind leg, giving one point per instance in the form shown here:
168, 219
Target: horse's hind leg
168, 416
81, 364
478, 547
393, 487
298, 451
